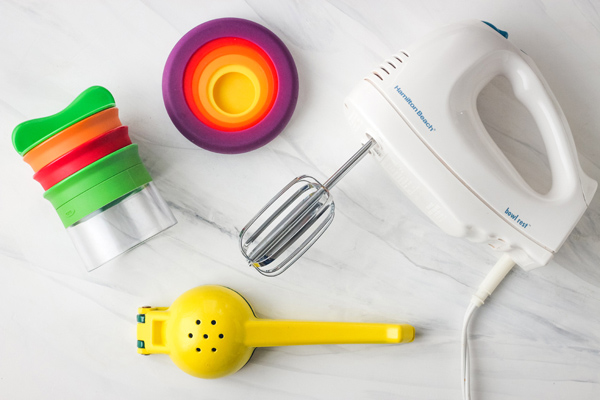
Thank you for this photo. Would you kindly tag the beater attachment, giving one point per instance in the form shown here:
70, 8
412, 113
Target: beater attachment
293, 220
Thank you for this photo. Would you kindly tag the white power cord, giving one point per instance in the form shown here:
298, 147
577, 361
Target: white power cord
489, 284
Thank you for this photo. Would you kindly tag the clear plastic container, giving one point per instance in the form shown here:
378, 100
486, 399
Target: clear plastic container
120, 226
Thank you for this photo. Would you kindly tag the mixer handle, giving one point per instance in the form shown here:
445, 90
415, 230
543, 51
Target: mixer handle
531, 89
267, 333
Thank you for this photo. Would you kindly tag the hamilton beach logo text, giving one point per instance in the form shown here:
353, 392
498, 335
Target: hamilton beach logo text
415, 108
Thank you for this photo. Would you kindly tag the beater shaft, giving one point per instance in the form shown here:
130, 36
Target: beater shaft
344, 169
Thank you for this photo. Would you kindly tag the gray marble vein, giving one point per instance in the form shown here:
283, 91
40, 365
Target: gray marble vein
68, 334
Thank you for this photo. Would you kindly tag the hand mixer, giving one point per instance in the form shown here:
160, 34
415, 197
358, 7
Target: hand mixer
418, 115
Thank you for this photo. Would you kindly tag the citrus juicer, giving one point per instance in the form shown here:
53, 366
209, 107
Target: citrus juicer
211, 331
93, 176
417, 113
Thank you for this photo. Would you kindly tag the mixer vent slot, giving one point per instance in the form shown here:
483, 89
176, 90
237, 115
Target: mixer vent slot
401, 57
391, 64
384, 70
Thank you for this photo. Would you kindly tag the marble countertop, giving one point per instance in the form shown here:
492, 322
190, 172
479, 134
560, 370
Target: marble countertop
70, 334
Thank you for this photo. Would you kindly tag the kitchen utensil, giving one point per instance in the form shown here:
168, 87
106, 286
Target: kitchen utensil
230, 85
94, 177
292, 221
419, 110
212, 331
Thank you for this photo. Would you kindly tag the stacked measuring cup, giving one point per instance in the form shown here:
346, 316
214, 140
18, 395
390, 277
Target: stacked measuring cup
230, 85
93, 176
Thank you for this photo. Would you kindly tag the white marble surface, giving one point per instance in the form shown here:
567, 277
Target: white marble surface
69, 334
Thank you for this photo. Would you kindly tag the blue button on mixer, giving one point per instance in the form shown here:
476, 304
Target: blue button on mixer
503, 33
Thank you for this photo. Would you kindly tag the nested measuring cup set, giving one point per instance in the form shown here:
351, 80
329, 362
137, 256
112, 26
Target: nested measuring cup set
230, 85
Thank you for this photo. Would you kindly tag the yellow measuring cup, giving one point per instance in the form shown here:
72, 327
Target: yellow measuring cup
211, 331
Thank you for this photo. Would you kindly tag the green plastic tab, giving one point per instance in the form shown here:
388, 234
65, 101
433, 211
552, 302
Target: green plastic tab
141, 318
141, 344
92, 175
30, 133
103, 194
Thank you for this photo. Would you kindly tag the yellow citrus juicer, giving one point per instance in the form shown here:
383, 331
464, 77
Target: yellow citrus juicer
211, 331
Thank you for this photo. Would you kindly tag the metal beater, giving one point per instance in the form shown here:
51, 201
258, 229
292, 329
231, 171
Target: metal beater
299, 213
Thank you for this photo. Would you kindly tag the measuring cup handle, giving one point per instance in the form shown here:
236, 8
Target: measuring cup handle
267, 333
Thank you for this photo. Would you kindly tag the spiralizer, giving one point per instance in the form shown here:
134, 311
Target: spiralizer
94, 177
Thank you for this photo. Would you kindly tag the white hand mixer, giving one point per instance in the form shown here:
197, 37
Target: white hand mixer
418, 113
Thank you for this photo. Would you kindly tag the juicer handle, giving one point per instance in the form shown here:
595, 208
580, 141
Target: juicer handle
531, 89
267, 333
151, 323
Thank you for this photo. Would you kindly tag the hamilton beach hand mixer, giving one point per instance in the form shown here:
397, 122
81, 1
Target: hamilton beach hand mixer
417, 113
